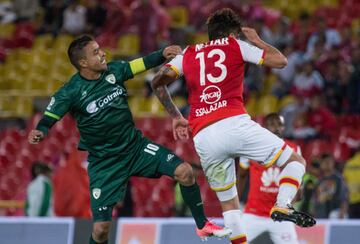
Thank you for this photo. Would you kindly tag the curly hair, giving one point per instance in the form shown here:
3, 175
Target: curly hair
222, 23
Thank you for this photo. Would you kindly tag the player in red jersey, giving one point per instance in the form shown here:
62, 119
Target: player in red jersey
264, 187
220, 125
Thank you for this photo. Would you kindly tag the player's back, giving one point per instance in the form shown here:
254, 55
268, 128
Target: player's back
214, 74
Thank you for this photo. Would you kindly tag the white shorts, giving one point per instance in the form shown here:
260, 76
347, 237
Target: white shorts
219, 143
280, 232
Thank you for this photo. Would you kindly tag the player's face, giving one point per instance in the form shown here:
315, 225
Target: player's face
276, 126
95, 57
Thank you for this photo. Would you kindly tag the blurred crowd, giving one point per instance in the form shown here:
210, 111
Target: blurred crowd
322, 75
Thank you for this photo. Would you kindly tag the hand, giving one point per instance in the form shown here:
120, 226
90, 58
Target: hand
171, 51
250, 34
35, 136
180, 128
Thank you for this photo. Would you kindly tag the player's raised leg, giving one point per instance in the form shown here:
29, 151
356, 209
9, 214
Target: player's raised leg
290, 180
191, 194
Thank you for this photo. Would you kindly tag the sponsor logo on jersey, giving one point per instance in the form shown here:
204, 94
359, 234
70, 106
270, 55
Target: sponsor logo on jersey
94, 106
103, 209
210, 95
110, 78
270, 177
52, 101
83, 95
169, 157
96, 193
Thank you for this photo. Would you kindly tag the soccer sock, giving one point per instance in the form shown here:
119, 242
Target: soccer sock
192, 197
232, 220
290, 180
92, 241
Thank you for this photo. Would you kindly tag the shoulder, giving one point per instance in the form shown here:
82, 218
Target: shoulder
70, 86
115, 64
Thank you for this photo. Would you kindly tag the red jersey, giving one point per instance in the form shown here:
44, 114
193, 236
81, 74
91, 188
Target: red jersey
214, 74
264, 185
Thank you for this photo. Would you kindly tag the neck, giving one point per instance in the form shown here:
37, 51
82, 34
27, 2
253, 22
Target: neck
89, 74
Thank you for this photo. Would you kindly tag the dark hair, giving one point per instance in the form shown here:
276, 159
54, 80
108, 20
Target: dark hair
272, 116
38, 168
222, 23
75, 51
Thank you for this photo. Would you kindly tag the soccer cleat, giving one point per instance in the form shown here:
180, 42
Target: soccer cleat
210, 229
290, 214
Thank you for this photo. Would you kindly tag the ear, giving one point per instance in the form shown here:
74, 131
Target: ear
83, 63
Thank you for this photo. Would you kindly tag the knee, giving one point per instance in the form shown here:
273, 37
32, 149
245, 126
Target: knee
184, 174
296, 157
101, 231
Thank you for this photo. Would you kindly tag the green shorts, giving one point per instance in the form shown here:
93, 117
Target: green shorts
109, 176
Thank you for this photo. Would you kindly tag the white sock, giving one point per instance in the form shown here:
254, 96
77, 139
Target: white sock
232, 220
290, 181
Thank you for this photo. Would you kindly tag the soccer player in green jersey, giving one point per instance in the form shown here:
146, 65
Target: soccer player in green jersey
96, 97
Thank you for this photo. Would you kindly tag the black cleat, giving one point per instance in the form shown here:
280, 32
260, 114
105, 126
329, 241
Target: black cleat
290, 214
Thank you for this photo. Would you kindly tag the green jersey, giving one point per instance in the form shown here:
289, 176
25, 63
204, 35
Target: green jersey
101, 110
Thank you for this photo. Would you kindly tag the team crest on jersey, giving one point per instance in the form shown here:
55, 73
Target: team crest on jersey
270, 175
110, 78
96, 193
169, 157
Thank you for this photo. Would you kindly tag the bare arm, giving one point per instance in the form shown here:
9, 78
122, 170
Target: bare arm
273, 57
159, 84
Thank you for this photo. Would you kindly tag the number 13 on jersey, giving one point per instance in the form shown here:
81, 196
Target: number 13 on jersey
219, 63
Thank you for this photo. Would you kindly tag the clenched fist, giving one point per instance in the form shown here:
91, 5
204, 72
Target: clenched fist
171, 51
180, 128
35, 136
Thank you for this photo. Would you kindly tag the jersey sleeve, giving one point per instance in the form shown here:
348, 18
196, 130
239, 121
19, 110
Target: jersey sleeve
244, 163
122, 70
59, 104
250, 53
176, 65
298, 150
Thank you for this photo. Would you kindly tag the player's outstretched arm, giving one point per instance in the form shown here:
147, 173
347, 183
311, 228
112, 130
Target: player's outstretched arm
42, 128
273, 58
154, 59
35, 136
165, 76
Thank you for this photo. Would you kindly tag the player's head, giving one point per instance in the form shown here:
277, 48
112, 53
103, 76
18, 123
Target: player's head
39, 168
274, 123
85, 53
223, 23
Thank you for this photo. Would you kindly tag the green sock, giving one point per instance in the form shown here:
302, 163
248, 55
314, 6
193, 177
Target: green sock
91, 241
192, 197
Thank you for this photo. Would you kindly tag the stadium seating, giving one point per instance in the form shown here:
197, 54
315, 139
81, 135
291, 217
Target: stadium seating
128, 45
179, 16
37, 65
